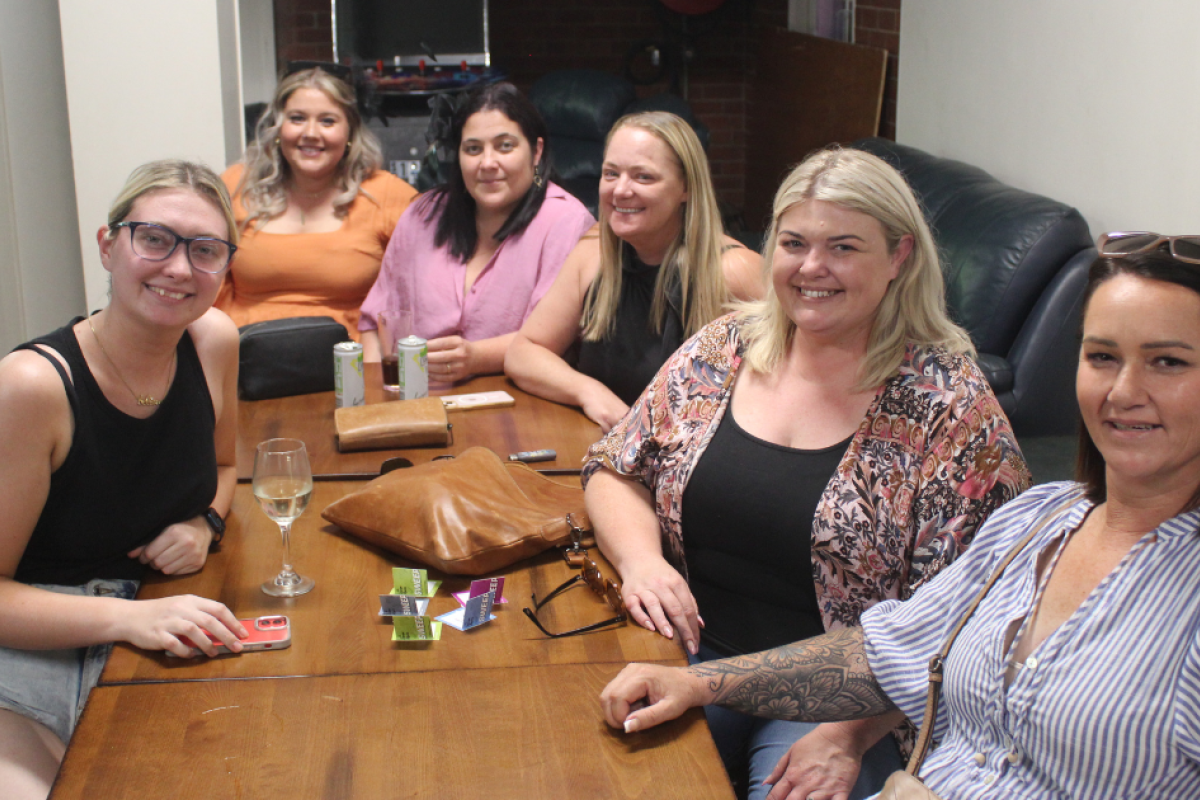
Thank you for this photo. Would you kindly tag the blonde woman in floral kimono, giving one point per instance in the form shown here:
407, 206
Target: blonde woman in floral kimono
796, 462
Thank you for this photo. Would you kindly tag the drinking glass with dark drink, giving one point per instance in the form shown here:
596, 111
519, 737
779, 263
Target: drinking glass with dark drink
393, 326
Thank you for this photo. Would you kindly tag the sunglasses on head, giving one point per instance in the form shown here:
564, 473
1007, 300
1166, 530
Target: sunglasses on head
1127, 243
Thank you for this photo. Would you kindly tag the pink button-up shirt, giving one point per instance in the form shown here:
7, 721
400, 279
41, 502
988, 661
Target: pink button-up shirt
418, 275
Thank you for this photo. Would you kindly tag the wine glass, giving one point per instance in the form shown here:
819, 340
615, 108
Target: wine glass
283, 485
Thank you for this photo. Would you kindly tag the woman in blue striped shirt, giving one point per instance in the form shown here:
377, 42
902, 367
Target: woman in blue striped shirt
1079, 674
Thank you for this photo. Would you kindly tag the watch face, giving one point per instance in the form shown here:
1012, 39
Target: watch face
215, 522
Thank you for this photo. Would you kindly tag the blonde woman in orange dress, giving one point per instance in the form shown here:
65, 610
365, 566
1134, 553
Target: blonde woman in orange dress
314, 208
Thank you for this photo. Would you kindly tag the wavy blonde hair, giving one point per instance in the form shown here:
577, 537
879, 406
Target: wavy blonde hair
156, 176
263, 185
913, 309
693, 259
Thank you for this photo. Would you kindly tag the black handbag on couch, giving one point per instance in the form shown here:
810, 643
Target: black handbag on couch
283, 357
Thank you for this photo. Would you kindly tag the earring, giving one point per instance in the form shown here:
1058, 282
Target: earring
538, 179
277, 141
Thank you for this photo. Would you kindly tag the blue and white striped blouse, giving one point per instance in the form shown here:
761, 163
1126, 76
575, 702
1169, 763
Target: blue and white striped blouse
1108, 706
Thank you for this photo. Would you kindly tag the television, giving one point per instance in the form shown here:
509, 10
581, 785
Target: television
452, 31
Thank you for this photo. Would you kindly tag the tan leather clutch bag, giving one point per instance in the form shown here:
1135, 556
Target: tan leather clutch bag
397, 423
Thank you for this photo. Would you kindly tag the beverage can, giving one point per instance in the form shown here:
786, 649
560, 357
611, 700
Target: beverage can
413, 367
348, 374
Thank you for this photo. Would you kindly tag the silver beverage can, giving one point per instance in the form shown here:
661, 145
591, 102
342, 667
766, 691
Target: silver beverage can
413, 367
348, 374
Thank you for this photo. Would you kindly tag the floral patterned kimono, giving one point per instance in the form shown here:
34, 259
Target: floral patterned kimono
933, 457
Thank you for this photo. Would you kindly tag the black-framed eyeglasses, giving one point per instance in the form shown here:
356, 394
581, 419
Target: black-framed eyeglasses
1126, 243
157, 242
606, 588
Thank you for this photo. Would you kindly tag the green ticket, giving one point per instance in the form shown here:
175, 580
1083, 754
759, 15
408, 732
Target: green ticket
415, 629
413, 582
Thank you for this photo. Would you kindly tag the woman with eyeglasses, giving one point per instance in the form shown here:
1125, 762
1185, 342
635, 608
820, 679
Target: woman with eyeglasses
314, 207
117, 453
1078, 673
793, 464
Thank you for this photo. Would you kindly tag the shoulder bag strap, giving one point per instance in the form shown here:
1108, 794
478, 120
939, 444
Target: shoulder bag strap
937, 663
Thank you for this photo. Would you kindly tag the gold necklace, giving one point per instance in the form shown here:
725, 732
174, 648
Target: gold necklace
323, 194
142, 399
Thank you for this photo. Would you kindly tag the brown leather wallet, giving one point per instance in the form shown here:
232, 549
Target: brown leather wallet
396, 423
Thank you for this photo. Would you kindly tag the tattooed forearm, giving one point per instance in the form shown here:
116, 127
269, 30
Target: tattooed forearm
821, 679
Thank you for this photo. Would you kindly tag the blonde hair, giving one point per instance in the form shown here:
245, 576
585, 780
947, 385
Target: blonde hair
172, 174
913, 309
262, 187
693, 260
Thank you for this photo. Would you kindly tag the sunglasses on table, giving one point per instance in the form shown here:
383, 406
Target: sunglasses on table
1127, 243
589, 574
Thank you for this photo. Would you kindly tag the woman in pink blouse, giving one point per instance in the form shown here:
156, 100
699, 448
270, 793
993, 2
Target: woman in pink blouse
471, 258
800, 460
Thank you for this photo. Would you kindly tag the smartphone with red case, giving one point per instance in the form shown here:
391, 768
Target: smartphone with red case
266, 633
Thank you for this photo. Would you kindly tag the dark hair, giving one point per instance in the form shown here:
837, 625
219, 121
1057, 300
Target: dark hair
453, 205
1157, 265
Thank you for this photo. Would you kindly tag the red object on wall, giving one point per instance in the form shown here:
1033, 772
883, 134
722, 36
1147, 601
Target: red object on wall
693, 6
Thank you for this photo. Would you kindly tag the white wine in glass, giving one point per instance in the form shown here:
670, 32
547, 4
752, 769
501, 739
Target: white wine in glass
283, 486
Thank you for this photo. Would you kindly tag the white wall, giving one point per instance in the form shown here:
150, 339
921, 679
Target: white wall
145, 79
1091, 102
41, 285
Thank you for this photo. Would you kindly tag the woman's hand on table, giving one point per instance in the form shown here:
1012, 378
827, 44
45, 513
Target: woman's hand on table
180, 549
658, 599
451, 359
823, 765
160, 624
603, 407
645, 695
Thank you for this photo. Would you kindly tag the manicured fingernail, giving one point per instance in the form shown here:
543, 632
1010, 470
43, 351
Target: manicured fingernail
649, 625
667, 632
631, 725
692, 648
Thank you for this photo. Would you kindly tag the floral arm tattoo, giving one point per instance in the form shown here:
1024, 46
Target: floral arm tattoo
822, 679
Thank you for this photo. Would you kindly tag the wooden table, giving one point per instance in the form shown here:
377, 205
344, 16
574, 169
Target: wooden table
535, 732
345, 713
336, 629
531, 424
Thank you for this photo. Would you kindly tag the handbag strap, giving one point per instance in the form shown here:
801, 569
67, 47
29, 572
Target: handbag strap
937, 663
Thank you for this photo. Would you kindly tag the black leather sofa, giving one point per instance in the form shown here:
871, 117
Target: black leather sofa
1015, 265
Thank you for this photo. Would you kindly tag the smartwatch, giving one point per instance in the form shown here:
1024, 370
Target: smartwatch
216, 523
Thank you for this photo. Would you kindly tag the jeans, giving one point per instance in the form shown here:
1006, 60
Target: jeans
52, 686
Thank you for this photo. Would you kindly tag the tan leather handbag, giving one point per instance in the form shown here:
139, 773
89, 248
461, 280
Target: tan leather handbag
397, 423
904, 784
470, 515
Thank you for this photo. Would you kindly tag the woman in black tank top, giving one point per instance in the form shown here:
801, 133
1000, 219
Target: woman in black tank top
117, 438
658, 270
805, 458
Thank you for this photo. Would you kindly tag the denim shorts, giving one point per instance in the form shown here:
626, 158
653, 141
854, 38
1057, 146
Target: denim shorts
52, 686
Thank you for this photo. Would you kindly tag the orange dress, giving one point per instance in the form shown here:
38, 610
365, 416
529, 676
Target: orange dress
277, 275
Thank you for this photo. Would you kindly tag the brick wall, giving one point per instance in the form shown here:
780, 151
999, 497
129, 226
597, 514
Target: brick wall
533, 37
877, 24
303, 31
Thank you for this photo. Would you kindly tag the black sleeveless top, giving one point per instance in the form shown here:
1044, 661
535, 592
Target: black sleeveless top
124, 479
747, 530
627, 359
